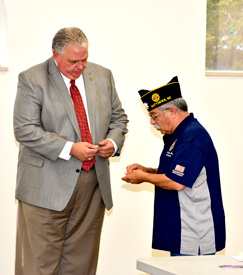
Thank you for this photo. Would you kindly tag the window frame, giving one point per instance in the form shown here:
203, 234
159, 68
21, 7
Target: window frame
3, 37
215, 33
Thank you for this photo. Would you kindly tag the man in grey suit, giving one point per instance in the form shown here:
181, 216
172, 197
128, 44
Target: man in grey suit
61, 205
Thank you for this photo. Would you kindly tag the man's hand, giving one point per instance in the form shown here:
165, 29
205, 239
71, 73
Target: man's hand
84, 151
136, 166
134, 176
106, 149
135, 173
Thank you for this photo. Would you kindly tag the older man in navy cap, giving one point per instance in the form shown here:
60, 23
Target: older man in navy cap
188, 210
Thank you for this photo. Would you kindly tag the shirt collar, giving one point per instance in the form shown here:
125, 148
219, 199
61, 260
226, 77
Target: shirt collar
67, 80
179, 129
183, 125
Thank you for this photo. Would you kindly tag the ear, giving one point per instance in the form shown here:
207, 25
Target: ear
173, 112
55, 54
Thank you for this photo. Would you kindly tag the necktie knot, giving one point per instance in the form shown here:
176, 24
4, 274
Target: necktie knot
72, 82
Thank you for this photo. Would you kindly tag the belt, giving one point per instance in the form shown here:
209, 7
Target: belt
93, 167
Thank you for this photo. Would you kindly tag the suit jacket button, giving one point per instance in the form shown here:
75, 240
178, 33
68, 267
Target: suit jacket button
78, 170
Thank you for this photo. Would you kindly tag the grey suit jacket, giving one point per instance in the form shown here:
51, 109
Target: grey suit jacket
44, 120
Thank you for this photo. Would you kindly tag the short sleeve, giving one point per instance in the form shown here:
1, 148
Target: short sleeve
187, 164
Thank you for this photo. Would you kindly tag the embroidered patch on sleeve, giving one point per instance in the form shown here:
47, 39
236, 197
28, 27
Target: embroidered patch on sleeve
179, 168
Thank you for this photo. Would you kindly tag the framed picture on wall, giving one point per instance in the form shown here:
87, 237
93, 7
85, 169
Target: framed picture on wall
224, 37
3, 36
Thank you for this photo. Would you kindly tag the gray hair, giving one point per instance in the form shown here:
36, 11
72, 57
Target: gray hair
178, 103
68, 35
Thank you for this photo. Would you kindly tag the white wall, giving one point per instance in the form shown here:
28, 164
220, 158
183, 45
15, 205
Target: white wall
145, 43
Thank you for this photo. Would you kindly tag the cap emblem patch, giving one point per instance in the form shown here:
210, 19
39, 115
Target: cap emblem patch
155, 97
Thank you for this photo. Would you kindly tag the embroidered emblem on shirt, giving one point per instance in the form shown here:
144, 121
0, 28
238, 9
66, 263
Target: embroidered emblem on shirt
169, 153
172, 146
179, 168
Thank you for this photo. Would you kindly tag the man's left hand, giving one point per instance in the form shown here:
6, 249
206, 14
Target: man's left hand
106, 149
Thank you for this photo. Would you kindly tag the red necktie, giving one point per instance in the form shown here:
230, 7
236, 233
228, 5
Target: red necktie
82, 120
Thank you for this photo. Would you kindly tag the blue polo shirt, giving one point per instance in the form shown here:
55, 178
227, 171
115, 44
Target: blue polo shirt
193, 218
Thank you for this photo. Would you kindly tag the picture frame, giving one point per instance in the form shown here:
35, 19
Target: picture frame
224, 38
3, 37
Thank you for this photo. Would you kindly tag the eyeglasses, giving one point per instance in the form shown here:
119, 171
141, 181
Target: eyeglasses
156, 115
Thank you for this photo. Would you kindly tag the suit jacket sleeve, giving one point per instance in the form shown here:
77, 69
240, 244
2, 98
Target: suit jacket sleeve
118, 122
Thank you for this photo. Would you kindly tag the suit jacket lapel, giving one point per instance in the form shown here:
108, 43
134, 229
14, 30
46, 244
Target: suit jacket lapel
61, 89
89, 83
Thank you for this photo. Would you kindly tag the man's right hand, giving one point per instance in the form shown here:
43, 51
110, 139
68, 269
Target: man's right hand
84, 151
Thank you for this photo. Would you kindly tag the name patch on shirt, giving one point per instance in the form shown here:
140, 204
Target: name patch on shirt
169, 154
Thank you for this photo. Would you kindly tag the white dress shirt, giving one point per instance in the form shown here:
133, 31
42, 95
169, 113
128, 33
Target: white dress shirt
65, 154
